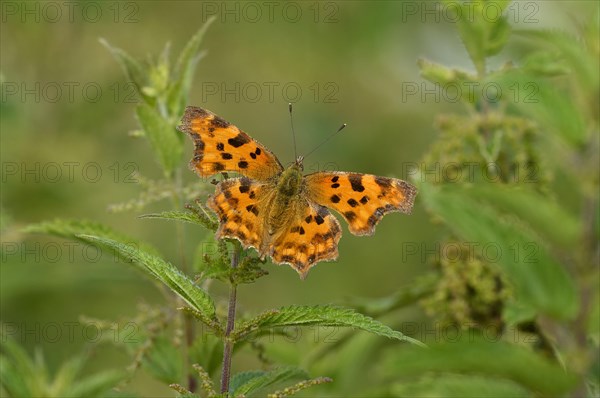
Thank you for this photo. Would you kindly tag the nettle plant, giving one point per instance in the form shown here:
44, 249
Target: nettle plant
191, 343
529, 307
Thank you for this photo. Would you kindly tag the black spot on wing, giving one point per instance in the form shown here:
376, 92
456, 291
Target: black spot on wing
350, 216
226, 156
356, 182
219, 122
364, 200
220, 146
243, 164
308, 219
244, 187
335, 199
352, 202
239, 140
383, 182
252, 209
218, 166
335, 179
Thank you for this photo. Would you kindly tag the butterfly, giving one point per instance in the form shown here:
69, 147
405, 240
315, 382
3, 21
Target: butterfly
279, 211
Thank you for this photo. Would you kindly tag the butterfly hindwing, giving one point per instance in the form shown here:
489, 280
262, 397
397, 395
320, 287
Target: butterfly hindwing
222, 147
362, 199
240, 203
312, 235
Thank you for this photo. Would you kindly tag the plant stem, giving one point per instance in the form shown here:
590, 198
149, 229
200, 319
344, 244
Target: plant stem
228, 343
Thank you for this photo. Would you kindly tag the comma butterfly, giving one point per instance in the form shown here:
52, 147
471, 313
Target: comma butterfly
279, 211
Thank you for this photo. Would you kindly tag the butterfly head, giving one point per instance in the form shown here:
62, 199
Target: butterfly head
290, 181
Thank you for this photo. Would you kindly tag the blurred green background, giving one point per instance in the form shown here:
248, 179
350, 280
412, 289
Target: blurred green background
67, 109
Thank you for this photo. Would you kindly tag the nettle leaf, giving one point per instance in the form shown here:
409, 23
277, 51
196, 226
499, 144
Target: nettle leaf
22, 376
318, 315
71, 229
550, 107
482, 28
249, 382
96, 385
134, 71
456, 385
573, 52
540, 281
476, 355
543, 214
162, 136
165, 272
186, 216
164, 361
178, 92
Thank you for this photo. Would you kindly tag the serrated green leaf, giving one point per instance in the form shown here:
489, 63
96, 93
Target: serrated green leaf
478, 356
162, 136
540, 281
178, 93
241, 378
179, 283
132, 68
71, 229
318, 315
186, 216
261, 380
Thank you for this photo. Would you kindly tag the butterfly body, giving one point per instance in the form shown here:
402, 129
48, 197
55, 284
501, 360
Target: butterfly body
281, 212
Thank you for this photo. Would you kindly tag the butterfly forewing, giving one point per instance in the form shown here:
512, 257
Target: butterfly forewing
362, 199
222, 147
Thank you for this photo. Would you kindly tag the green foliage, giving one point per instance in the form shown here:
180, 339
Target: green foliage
539, 279
168, 274
500, 192
22, 376
317, 315
164, 91
246, 383
490, 358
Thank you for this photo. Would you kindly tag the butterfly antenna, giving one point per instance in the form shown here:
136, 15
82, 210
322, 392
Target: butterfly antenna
326, 139
293, 132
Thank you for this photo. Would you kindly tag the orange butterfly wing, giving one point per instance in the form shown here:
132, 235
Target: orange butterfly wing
362, 199
241, 205
311, 236
222, 147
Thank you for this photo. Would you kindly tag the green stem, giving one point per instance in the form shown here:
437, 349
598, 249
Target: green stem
228, 342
